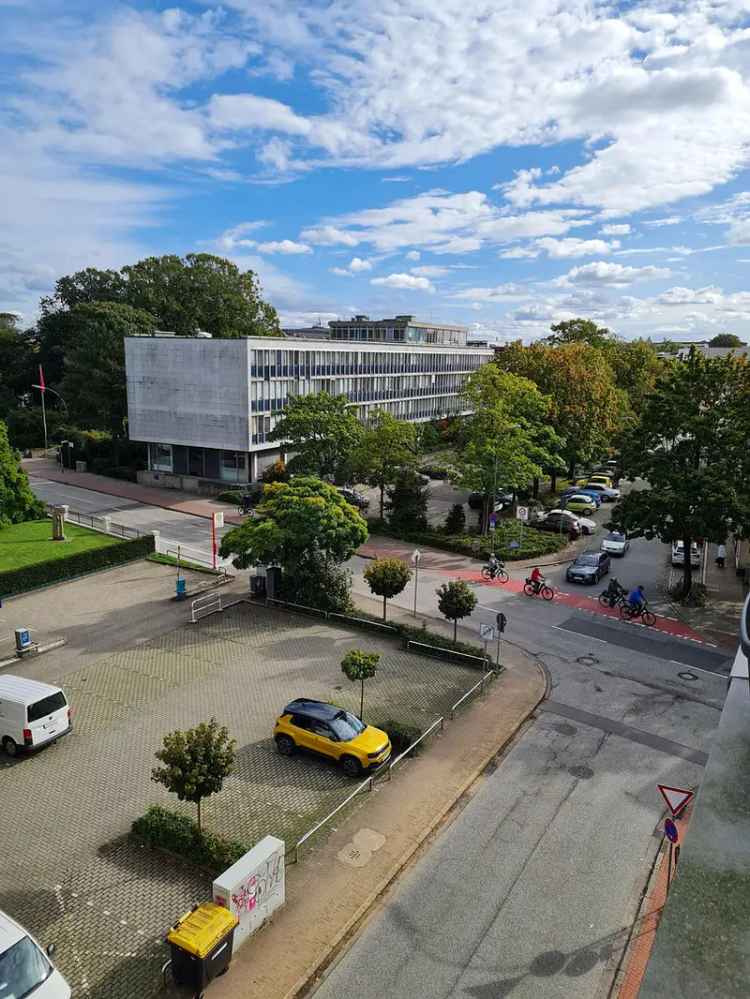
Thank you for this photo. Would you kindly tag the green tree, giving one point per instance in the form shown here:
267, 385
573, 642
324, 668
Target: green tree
318, 581
294, 519
386, 445
407, 502
386, 578
17, 501
635, 368
456, 600
323, 432
278, 472
17, 372
690, 446
196, 762
94, 380
455, 522
359, 665
726, 340
579, 331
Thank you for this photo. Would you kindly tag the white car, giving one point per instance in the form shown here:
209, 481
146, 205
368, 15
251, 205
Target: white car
615, 544
678, 554
587, 525
25, 969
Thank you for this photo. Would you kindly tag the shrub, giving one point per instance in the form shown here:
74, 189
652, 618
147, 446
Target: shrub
318, 582
407, 502
277, 472
456, 600
180, 835
233, 496
411, 633
387, 577
455, 522
400, 734
535, 543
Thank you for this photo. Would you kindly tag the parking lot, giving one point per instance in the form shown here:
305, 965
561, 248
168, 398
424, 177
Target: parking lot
68, 873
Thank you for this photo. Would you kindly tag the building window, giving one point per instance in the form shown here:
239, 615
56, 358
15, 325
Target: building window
232, 466
160, 457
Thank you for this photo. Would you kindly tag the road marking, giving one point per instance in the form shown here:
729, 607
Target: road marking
557, 627
700, 669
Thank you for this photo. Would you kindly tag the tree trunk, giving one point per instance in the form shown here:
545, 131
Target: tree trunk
455, 628
362, 699
687, 569
572, 469
384, 600
199, 813
382, 499
535, 492
553, 481
485, 514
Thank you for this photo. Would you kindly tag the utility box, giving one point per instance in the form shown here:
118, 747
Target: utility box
254, 887
273, 581
80, 466
23, 639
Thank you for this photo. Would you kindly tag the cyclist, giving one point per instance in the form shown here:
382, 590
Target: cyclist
536, 578
637, 599
494, 564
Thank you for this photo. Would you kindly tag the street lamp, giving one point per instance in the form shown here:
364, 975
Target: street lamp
416, 556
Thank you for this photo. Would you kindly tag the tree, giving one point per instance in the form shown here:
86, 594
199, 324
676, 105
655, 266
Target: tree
455, 522
294, 519
94, 366
635, 368
726, 340
323, 432
407, 502
16, 363
456, 600
386, 445
690, 445
318, 581
359, 665
387, 577
17, 501
195, 762
578, 331
278, 472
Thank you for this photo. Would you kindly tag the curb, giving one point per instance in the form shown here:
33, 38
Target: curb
324, 961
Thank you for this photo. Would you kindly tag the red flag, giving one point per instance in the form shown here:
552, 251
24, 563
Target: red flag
42, 386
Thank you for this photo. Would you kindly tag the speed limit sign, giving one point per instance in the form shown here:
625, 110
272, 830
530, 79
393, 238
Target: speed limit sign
522, 513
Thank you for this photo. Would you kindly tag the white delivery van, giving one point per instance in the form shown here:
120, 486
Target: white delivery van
31, 714
24, 967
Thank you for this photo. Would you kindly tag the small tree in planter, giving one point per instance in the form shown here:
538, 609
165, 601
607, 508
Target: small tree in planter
456, 600
195, 762
387, 577
455, 522
359, 665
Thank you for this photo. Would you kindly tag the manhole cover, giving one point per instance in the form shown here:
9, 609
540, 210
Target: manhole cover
582, 772
587, 660
685, 675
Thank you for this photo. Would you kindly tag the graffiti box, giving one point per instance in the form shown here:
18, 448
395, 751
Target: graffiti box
253, 888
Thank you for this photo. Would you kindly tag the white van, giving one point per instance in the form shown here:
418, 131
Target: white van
25, 968
31, 714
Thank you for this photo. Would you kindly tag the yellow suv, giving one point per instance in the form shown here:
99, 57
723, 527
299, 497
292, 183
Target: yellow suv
332, 732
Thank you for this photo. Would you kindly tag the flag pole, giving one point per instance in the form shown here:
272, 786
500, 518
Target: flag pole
44, 421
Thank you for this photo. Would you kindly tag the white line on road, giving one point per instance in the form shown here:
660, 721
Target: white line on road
558, 627
711, 672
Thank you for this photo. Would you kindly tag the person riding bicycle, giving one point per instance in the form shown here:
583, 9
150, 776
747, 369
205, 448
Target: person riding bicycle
637, 599
614, 591
247, 502
494, 564
536, 579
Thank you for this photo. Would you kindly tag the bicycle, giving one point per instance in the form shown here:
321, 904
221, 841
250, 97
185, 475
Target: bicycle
499, 573
544, 590
606, 599
630, 613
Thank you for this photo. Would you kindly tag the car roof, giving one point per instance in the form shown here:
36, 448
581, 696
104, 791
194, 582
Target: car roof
19, 689
583, 496
312, 709
10, 932
588, 554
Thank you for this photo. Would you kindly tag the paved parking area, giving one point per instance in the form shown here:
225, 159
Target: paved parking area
69, 874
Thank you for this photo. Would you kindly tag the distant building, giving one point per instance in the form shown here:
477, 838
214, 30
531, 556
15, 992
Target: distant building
308, 332
400, 329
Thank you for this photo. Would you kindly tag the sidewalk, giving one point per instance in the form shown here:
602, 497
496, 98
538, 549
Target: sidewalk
168, 499
342, 876
719, 620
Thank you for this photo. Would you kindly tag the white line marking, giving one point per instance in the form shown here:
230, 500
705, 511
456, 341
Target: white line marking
699, 669
557, 627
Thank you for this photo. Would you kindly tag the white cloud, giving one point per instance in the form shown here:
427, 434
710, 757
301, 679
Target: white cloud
287, 246
622, 229
413, 255
601, 272
669, 220
559, 249
498, 293
355, 266
246, 111
430, 271
709, 295
406, 281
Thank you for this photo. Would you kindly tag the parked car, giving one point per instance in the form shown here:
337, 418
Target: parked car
608, 495
581, 491
25, 969
585, 524
356, 499
503, 498
562, 522
615, 543
601, 479
580, 503
330, 731
589, 567
32, 714
678, 554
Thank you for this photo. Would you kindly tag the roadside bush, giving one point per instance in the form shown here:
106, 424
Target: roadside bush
233, 496
455, 522
407, 502
163, 829
400, 734
411, 633
56, 570
535, 543
318, 582
278, 472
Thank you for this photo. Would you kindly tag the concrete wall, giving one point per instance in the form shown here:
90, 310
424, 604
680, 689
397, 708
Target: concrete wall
188, 391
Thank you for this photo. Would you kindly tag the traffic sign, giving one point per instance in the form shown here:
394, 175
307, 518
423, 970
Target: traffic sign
675, 797
671, 831
501, 622
487, 632
522, 512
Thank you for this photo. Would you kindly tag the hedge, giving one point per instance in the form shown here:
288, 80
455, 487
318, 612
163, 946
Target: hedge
411, 633
534, 544
163, 829
56, 571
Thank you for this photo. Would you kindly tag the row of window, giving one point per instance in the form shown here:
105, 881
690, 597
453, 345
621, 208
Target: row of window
319, 363
410, 334
272, 396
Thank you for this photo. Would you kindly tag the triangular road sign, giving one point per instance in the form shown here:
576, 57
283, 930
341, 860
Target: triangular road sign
675, 797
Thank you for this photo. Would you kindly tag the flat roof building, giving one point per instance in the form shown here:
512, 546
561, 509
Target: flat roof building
207, 407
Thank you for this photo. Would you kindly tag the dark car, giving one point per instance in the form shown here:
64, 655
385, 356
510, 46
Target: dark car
356, 499
589, 567
503, 498
560, 522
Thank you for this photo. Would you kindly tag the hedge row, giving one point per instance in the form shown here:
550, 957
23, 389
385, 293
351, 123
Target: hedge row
534, 543
56, 570
163, 829
411, 633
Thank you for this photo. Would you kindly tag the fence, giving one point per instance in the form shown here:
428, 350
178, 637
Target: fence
209, 603
102, 524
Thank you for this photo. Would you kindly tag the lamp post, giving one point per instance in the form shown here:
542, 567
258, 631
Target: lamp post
416, 556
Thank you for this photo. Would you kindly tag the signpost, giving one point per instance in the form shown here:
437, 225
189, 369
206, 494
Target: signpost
675, 797
487, 634
416, 556
217, 521
672, 834
522, 515
501, 622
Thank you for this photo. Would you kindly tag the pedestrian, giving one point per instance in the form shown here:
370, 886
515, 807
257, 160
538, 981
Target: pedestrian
721, 554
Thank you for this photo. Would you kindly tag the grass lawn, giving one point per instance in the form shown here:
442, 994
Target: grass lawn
26, 544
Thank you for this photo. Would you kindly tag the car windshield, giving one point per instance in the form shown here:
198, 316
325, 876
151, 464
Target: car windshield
23, 967
587, 560
347, 726
614, 536
45, 707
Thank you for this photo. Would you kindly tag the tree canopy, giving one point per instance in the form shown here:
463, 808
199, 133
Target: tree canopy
456, 600
579, 331
726, 340
387, 577
385, 445
17, 501
323, 432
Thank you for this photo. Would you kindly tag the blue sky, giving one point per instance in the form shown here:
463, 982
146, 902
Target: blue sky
500, 164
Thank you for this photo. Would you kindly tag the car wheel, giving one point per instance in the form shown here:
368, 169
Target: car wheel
10, 747
285, 745
351, 766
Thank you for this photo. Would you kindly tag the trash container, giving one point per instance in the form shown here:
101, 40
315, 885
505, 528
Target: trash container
181, 588
201, 944
258, 586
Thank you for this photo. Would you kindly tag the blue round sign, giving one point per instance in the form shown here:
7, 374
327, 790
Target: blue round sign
670, 831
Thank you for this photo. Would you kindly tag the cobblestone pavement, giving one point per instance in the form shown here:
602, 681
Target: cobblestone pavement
69, 874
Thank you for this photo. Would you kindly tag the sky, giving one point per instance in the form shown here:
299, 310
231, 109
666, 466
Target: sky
501, 164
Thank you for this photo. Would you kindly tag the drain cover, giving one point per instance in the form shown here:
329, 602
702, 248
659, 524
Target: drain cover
581, 771
685, 675
588, 660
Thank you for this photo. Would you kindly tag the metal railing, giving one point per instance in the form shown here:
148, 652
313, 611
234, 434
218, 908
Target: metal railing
394, 763
477, 686
209, 603
102, 524
311, 832
452, 654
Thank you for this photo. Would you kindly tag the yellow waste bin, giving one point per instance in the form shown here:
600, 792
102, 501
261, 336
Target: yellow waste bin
201, 944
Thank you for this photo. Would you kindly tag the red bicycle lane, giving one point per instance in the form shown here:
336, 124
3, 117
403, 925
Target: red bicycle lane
589, 604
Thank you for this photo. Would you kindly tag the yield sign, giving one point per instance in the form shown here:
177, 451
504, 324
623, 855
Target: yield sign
675, 797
